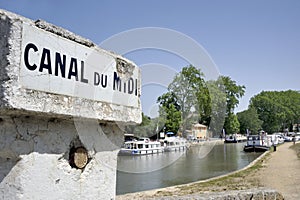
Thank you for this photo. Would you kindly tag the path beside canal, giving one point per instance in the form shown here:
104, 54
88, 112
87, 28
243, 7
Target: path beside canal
279, 170
282, 172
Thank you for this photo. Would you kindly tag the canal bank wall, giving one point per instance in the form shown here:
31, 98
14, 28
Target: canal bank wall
257, 193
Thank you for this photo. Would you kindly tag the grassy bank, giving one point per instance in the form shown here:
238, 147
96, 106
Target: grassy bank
296, 148
245, 179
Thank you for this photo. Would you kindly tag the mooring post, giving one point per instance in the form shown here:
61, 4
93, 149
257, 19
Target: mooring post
63, 103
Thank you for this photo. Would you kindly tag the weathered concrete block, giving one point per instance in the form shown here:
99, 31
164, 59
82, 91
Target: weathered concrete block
48, 70
35, 159
60, 93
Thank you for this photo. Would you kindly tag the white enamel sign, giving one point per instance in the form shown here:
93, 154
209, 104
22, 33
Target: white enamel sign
56, 65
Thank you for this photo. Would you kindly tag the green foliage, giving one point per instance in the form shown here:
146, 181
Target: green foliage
233, 93
169, 112
218, 106
232, 124
170, 117
277, 109
146, 129
204, 106
249, 119
167, 100
200, 101
187, 87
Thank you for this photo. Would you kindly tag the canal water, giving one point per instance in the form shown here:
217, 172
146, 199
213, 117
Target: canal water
139, 173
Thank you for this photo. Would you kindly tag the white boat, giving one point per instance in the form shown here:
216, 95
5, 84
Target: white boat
142, 146
174, 144
235, 138
276, 138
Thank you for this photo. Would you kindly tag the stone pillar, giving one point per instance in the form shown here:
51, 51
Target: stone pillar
63, 103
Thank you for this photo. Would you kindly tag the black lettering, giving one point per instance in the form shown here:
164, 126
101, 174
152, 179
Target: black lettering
45, 61
103, 83
73, 70
130, 86
136, 90
61, 64
117, 82
82, 79
96, 78
26, 56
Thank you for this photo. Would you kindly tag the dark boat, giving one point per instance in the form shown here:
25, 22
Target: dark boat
230, 139
257, 143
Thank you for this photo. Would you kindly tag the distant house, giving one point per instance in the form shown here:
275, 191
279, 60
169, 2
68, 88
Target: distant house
199, 131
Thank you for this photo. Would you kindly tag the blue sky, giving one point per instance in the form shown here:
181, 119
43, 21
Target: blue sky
256, 43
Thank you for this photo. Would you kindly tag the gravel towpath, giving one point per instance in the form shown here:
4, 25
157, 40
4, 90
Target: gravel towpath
282, 172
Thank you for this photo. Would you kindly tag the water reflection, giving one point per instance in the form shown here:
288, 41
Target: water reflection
147, 163
138, 173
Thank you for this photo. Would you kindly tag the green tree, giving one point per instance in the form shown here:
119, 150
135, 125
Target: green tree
218, 106
187, 86
169, 112
249, 120
170, 117
277, 109
167, 99
145, 129
204, 105
233, 93
231, 124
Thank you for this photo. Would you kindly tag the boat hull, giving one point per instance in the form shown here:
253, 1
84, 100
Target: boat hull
140, 151
230, 141
174, 148
256, 148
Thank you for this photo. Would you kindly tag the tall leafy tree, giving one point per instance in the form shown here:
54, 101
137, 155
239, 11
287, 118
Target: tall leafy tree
249, 120
231, 124
218, 106
204, 105
186, 86
233, 93
199, 101
169, 112
170, 118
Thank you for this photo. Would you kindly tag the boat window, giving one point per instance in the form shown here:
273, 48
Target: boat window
147, 146
140, 146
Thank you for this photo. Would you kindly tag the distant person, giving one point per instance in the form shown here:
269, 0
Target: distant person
294, 140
